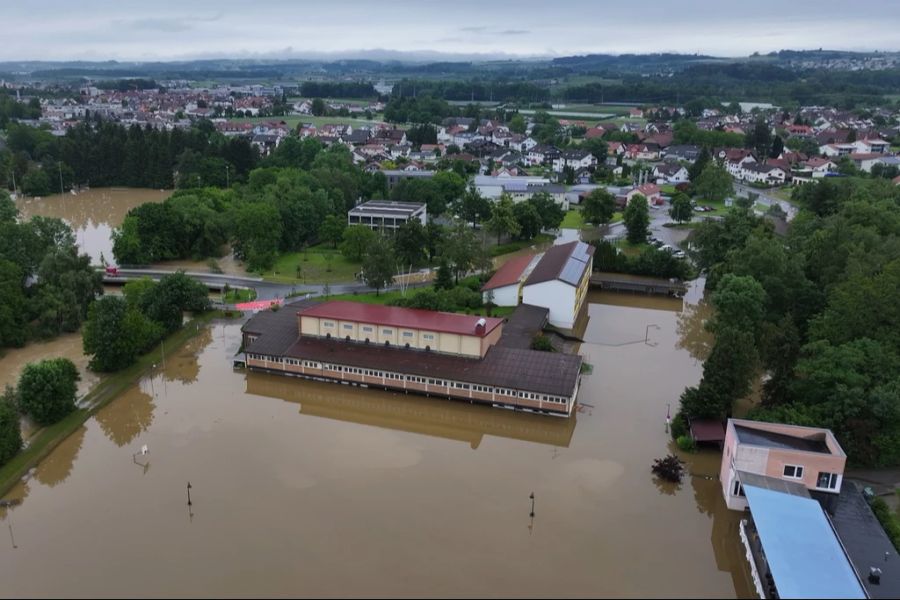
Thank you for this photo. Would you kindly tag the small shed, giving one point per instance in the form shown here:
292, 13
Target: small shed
707, 431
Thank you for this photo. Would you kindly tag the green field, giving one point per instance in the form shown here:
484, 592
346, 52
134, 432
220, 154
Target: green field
573, 220
316, 266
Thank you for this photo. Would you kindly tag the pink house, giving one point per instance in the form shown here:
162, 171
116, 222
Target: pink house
809, 456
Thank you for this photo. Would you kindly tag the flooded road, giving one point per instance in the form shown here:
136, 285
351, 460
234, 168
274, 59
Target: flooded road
92, 214
310, 489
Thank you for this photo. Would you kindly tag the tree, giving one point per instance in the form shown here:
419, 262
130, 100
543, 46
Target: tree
67, 284
257, 230
332, 230
409, 243
637, 219
37, 183
10, 432
548, 209
13, 316
444, 278
357, 240
669, 468
777, 147
517, 124
740, 303
503, 218
318, 107
8, 210
528, 219
47, 389
115, 334
714, 184
379, 264
472, 207
760, 139
681, 210
703, 159
599, 207
460, 249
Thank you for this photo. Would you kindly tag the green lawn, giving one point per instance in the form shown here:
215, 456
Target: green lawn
783, 193
316, 266
573, 220
667, 188
235, 296
630, 249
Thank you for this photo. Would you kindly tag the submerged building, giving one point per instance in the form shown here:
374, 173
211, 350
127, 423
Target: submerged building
456, 356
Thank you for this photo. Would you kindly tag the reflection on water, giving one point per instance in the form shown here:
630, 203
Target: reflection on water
123, 420
380, 496
412, 413
692, 333
67, 345
56, 468
92, 214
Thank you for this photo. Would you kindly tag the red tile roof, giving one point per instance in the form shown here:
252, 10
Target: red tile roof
509, 273
395, 316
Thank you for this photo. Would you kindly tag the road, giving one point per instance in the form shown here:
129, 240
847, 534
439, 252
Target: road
265, 290
743, 190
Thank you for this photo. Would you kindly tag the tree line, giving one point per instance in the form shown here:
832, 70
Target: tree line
814, 311
337, 89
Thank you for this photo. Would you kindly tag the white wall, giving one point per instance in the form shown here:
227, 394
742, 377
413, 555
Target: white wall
556, 296
507, 295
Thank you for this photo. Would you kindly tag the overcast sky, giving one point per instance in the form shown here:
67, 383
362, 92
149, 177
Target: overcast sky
169, 29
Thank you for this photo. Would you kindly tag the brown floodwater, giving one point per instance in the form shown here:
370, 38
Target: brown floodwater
92, 214
311, 489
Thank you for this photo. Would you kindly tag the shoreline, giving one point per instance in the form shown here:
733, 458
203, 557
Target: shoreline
45, 440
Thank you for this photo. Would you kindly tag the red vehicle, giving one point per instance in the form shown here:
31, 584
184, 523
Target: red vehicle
113, 271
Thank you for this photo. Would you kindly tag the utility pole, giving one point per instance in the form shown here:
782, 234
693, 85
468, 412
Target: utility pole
227, 178
59, 166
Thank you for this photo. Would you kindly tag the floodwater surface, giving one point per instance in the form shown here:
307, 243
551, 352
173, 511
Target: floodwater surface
310, 489
92, 214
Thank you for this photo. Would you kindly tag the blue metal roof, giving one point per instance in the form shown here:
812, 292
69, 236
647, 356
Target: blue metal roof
803, 552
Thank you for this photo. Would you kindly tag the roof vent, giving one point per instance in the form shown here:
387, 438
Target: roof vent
480, 325
874, 575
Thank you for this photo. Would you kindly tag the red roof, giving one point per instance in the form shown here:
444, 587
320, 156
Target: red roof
395, 316
707, 430
509, 273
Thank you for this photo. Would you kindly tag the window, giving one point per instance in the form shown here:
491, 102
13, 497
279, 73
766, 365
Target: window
793, 472
408, 334
827, 481
348, 326
737, 489
387, 332
367, 329
427, 336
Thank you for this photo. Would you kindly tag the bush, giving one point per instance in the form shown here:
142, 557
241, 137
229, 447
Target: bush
888, 520
685, 443
679, 426
669, 468
10, 433
542, 342
47, 390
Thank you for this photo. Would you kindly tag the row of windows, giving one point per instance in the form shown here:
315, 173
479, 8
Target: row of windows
417, 379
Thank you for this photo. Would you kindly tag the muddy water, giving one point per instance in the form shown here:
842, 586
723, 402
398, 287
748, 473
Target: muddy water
312, 489
92, 214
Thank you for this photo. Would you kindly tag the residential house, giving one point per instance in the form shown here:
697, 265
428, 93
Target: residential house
735, 159
765, 173
685, 152
642, 151
670, 172
574, 159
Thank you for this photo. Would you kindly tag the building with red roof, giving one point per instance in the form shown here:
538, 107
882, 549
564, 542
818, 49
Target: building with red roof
505, 287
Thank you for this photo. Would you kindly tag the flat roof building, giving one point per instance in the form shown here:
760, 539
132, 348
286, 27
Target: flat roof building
384, 214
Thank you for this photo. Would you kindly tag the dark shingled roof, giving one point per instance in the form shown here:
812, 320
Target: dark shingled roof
555, 260
866, 543
277, 329
543, 372
770, 439
523, 324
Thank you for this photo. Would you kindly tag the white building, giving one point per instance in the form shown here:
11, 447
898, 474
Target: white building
559, 282
382, 214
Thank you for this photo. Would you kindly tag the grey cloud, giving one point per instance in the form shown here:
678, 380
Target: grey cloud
473, 29
514, 32
165, 24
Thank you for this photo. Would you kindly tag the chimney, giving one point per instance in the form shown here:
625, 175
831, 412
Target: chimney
874, 575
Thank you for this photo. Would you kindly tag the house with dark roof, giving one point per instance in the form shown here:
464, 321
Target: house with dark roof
559, 282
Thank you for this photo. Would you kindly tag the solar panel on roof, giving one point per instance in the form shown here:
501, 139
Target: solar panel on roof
580, 252
572, 270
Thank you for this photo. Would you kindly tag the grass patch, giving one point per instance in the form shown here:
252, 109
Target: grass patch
236, 295
315, 266
630, 249
573, 220
48, 438
782, 193
668, 189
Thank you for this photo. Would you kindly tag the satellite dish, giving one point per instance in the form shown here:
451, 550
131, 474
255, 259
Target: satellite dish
144, 449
